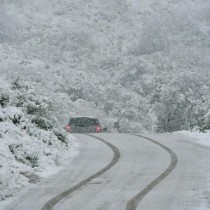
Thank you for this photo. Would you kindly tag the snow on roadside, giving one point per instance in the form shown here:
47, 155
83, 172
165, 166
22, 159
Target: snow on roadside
62, 158
202, 191
197, 137
26, 160
28, 153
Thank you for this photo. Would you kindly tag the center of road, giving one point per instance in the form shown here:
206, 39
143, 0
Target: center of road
135, 200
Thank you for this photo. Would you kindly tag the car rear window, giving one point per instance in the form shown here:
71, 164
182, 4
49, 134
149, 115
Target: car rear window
81, 121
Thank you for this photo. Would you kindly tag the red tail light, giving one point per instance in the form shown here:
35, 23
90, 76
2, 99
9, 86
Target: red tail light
68, 128
98, 128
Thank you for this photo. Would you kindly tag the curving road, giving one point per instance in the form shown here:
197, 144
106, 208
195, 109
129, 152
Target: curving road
126, 172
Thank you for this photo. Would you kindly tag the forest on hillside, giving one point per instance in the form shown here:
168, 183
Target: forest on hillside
145, 63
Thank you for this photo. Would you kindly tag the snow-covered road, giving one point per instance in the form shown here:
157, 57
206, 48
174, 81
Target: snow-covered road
125, 170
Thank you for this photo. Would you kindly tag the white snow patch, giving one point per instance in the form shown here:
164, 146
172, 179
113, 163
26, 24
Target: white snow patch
197, 137
14, 175
28, 154
61, 158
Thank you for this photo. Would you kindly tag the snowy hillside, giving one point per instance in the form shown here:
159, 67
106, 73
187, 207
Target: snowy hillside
28, 151
123, 59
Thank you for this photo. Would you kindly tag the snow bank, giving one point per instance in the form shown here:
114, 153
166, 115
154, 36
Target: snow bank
197, 137
26, 159
28, 153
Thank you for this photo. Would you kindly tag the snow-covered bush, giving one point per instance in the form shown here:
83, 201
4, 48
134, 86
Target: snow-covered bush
183, 104
29, 100
206, 125
42, 123
29, 141
39, 108
4, 98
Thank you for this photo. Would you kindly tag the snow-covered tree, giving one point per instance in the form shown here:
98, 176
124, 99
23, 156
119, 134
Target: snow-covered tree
183, 103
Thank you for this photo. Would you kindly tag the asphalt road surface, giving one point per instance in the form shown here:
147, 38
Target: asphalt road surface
126, 172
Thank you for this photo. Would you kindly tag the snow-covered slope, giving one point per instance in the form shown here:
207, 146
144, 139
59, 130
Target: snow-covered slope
197, 137
99, 54
27, 152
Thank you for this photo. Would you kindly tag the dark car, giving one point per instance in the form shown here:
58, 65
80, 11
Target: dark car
83, 125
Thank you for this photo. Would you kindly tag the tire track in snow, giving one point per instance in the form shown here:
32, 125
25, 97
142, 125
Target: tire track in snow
135, 200
52, 202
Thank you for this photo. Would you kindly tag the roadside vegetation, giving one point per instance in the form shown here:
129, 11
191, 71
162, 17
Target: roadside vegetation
30, 139
143, 63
